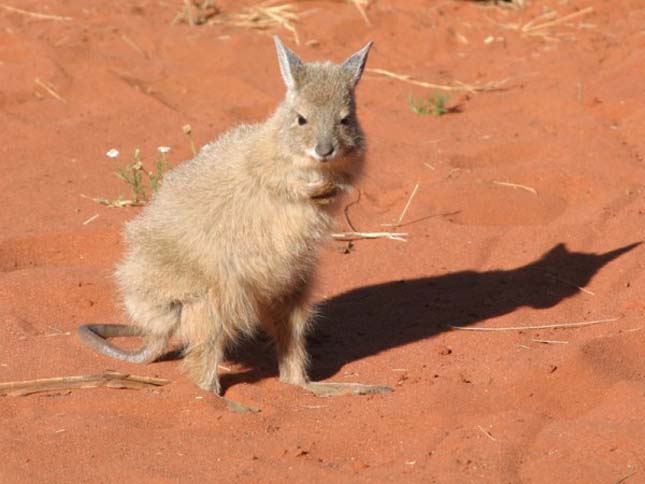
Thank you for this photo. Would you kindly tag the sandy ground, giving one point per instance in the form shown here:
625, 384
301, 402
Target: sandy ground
532, 406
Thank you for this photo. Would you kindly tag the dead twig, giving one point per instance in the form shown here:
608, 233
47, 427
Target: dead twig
542, 326
346, 212
109, 379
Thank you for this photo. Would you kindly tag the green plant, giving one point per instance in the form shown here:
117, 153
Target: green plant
161, 166
432, 104
133, 174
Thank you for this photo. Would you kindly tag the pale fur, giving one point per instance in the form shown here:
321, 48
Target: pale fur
230, 241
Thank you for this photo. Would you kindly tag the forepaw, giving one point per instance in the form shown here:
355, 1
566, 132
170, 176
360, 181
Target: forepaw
322, 192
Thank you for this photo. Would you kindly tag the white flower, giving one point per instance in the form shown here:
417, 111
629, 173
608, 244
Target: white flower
113, 153
163, 149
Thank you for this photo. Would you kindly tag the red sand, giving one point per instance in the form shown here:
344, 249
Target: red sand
498, 407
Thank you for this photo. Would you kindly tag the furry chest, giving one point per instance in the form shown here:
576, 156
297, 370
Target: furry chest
281, 254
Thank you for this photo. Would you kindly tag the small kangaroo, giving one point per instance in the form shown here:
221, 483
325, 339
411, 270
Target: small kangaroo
230, 240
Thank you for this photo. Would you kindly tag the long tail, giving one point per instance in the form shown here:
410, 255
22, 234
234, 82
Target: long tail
96, 336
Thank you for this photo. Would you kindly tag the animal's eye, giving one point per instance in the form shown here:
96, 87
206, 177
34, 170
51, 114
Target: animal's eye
344, 120
302, 120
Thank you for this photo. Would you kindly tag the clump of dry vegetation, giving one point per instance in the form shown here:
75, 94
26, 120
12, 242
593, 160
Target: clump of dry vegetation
264, 16
195, 12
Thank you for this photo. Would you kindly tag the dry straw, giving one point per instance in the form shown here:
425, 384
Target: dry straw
264, 16
195, 13
516, 185
50, 88
455, 86
361, 5
540, 326
405, 208
36, 15
540, 26
108, 379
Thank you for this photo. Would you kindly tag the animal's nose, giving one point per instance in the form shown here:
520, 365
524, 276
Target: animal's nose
324, 149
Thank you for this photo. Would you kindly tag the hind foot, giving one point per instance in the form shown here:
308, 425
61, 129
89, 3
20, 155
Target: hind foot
216, 389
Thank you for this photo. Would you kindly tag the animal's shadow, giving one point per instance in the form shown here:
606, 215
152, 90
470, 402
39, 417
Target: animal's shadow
368, 320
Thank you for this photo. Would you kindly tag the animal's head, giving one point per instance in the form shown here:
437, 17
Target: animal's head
318, 115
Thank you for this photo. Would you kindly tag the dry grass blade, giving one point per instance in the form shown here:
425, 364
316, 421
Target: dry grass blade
541, 326
91, 219
456, 86
550, 341
515, 185
538, 26
348, 236
487, 433
131, 43
625, 477
41, 16
109, 378
569, 283
50, 89
119, 203
264, 17
405, 208
532, 26
361, 5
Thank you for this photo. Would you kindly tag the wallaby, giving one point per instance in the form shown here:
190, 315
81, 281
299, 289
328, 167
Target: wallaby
230, 240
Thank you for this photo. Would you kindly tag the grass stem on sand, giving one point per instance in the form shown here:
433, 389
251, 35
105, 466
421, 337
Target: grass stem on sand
541, 326
405, 208
37, 15
456, 86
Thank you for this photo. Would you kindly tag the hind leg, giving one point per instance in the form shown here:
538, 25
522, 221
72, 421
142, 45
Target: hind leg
289, 331
205, 330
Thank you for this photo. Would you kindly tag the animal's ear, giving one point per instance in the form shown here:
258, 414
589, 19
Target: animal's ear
355, 63
290, 64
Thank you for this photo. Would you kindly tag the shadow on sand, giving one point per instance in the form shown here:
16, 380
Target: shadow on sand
371, 319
